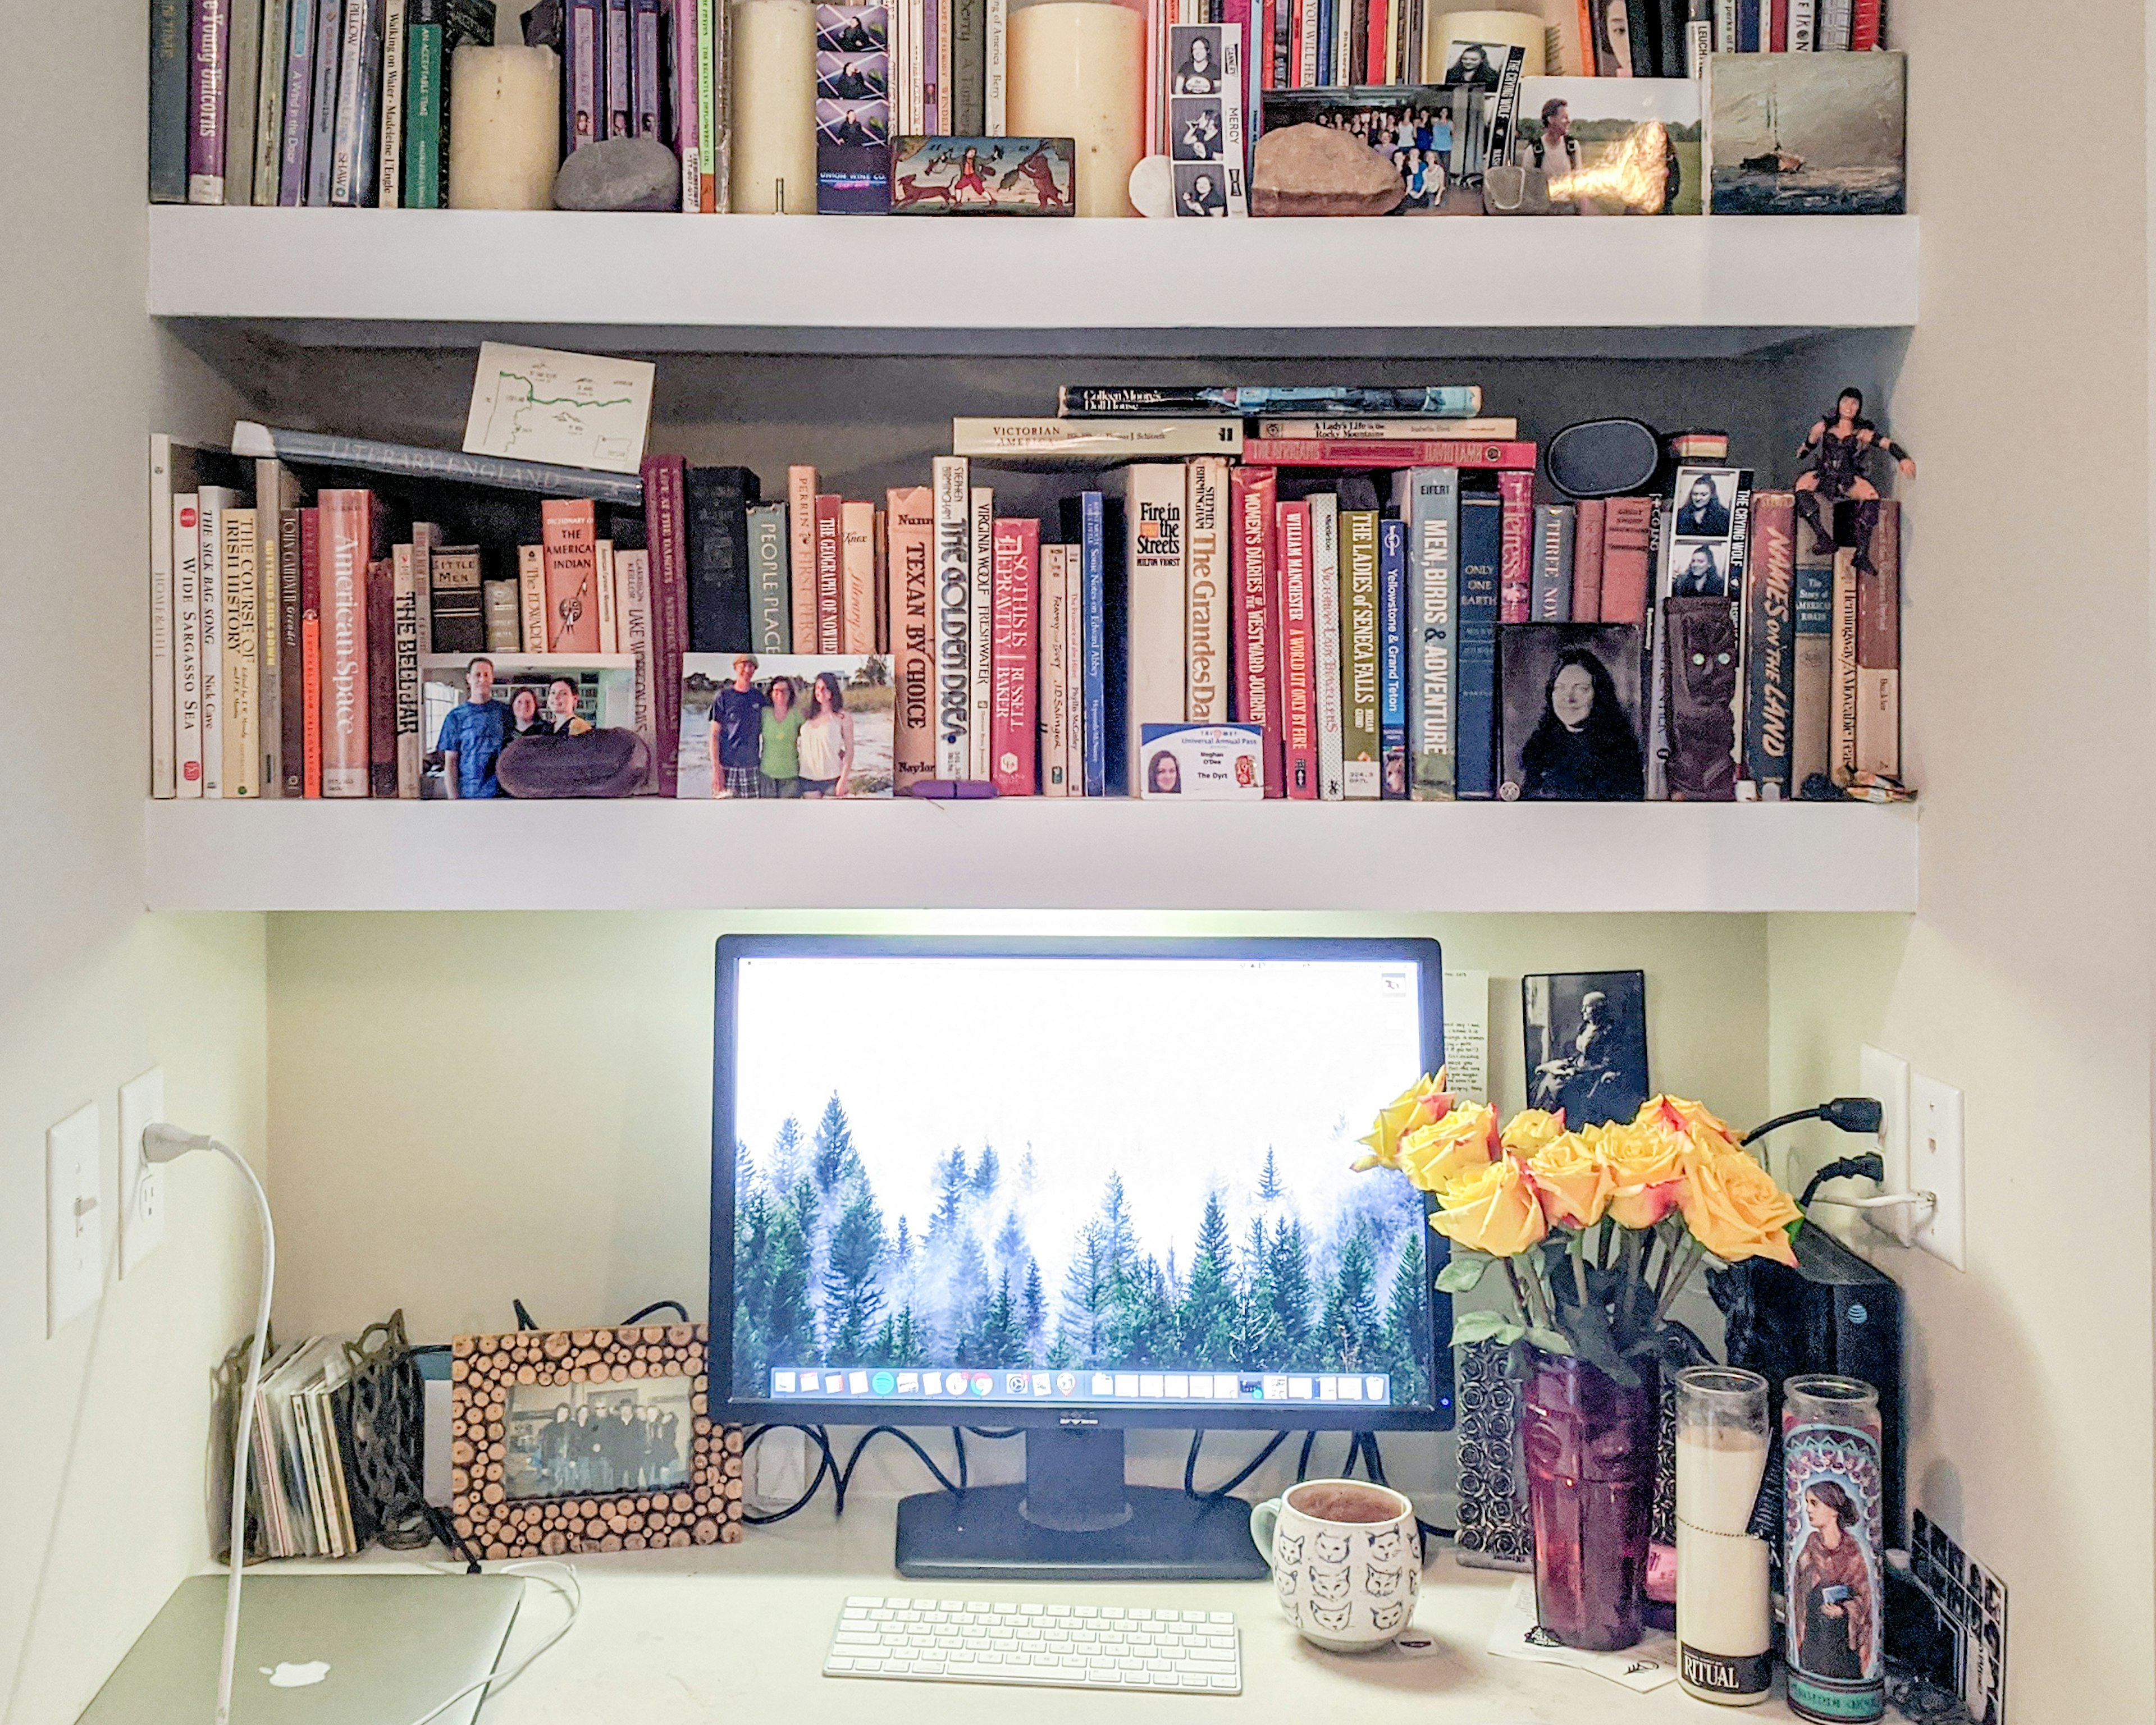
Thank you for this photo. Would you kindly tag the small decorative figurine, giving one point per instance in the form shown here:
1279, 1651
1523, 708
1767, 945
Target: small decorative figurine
1838, 449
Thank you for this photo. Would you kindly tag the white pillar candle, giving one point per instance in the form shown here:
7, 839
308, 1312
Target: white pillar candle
1078, 70
504, 128
774, 107
1444, 29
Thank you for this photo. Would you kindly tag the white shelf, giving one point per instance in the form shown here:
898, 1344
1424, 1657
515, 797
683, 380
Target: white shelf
1029, 854
1673, 284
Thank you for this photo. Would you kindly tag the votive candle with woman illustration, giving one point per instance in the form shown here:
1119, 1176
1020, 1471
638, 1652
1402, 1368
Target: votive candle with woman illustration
827, 740
1830, 1460
1583, 747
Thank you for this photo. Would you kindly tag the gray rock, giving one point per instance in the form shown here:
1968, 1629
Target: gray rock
1317, 171
621, 173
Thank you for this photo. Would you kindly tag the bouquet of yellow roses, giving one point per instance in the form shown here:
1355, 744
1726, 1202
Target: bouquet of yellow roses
1597, 1229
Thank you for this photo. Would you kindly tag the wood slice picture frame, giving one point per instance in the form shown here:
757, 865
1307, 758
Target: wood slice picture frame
589, 1441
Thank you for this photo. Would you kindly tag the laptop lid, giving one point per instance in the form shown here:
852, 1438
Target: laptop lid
317, 1649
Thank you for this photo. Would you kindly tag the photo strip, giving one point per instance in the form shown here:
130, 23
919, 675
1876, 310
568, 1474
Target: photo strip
1205, 106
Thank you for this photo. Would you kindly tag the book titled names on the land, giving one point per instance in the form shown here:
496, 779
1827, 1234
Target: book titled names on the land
1118, 440
1436, 401
1368, 452
326, 450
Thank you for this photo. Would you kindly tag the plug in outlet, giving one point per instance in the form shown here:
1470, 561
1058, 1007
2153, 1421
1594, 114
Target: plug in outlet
74, 1222
1937, 1165
142, 1181
1886, 1076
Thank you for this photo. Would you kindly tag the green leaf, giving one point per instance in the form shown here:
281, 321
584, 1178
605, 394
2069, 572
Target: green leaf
1550, 1341
1473, 1327
1465, 1272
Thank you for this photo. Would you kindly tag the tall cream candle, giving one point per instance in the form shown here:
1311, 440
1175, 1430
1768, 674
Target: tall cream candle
1077, 70
774, 107
504, 128
1445, 30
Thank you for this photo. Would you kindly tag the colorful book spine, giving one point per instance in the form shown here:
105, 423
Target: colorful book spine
292, 653
969, 69
1104, 680
1481, 555
1013, 626
1845, 697
1778, 26
1748, 25
1054, 667
1726, 31
620, 89
1325, 620
980, 672
1390, 452
1516, 588
1628, 556
1556, 524
954, 610
269, 99
456, 606
346, 529
1341, 428
631, 575
584, 73
395, 86
602, 590
1156, 507
322, 108
857, 578
298, 105
1393, 658
1770, 643
568, 539
1206, 612
163, 772
531, 601
1810, 756
666, 530
382, 678
1254, 627
404, 629
215, 500
717, 76
1073, 743
1803, 26
1430, 500
1362, 778
995, 72
1430, 401
426, 90
801, 554
1867, 31
208, 59
1589, 528
172, 56
829, 531
1836, 19
648, 75
243, 75
240, 683
1875, 533
1298, 654
911, 511
311, 652
344, 141
680, 18
186, 645
771, 587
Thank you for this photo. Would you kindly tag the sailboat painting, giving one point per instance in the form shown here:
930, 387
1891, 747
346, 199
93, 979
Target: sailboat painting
1806, 134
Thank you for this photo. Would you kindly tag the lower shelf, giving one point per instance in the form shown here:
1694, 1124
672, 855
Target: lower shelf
1029, 853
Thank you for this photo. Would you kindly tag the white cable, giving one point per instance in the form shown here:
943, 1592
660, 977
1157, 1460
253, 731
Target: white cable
495, 1681
165, 1143
1885, 1201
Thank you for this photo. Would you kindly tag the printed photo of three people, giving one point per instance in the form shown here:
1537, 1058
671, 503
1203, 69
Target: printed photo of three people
803, 724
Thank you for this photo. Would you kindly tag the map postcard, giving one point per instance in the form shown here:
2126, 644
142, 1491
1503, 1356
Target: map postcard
566, 409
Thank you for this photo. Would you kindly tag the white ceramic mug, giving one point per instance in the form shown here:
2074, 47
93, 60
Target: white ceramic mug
1346, 1561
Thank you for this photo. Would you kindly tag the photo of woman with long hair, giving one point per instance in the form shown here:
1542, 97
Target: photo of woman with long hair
827, 739
1578, 739
1831, 1599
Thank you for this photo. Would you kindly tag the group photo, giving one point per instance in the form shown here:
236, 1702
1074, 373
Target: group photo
800, 724
564, 1438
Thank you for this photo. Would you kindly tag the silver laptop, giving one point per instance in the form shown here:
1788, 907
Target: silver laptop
316, 1650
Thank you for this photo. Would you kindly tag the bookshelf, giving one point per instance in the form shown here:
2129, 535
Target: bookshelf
1670, 287
1030, 853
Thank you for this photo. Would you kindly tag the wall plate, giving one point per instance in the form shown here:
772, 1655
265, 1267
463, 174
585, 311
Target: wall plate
74, 1219
1886, 1076
142, 1181
1937, 1165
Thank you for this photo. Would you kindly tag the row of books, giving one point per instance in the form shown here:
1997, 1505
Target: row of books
298, 1498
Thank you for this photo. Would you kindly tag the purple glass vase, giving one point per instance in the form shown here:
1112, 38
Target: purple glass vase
1590, 1454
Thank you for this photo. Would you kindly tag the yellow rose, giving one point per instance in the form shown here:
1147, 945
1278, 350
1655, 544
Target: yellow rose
1692, 1119
1572, 1182
1734, 1208
1420, 1103
1645, 1173
1459, 1147
1495, 1212
1532, 1128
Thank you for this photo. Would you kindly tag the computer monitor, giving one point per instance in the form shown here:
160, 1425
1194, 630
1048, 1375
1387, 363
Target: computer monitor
1071, 1186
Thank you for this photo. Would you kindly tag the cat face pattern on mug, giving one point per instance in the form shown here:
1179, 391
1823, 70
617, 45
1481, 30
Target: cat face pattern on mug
1347, 1564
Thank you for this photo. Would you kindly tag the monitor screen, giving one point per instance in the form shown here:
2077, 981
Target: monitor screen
1043, 1176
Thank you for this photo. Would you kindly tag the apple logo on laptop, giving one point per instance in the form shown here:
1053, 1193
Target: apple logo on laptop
288, 1674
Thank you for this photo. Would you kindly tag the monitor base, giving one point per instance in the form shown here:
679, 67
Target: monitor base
982, 1534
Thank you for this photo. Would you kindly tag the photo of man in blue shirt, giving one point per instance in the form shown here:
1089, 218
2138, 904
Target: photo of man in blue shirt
473, 736
737, 735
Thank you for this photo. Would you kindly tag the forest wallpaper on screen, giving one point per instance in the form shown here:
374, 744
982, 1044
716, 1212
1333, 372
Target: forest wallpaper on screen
999, 1272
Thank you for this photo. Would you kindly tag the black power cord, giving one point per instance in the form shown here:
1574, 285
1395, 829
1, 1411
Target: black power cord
1870, 1167
1219, 1493
1849, 1114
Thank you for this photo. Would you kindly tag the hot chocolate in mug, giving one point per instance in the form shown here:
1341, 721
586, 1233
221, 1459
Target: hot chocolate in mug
1346, 1561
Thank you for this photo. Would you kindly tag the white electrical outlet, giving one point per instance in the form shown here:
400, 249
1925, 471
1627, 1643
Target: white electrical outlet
1886, 1076
75, 1220
1936, 1166
142, 1181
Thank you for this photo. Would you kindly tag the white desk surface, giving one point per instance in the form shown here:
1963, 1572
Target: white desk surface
737, 1634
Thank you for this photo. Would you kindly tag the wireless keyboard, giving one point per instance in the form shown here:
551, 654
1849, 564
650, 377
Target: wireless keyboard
1062, 1647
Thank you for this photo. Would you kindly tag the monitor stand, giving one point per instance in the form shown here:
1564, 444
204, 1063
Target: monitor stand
1075, 1519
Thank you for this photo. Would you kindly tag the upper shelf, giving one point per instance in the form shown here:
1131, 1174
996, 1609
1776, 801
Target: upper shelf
1030, 853
1666, 286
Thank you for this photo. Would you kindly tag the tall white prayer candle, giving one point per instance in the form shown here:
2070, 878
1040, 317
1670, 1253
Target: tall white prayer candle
1078, 70
774, 107
504, 128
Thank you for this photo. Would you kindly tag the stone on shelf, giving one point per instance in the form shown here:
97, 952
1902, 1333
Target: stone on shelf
619, 174
1317, 171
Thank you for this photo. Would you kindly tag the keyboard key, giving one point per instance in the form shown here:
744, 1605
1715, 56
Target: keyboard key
864, 1599
1223, 1683
1193, 1616
1220, 1617
1111, 1611
1141, 1615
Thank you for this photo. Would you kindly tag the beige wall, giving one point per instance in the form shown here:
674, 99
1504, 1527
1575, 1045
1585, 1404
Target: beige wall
102, 1488
2024, 978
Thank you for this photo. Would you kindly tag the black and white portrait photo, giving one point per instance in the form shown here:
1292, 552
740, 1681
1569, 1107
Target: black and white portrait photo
1480, 65
1698, 573
560, 1438
1200, 191
1569, 713
1703, 504
1586, 1036
1198, 135
1196, 50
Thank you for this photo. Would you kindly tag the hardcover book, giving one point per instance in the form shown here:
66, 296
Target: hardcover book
214, 501
1556, 524
1013, 627
1628, 546
631, 575
569, 544
239, 683
1095, 440
830, 555
1363, 452
382, 678
291, 656
620, 89
953, 618
583, 73
1433, 401
912, 513
1847, 697
1516, 574
1361, 776
1342, 428
531, 601
457, 605
857, 578
1769, 646
172, 56
1326, 624
1054, 672
1206, 615
1481, 552
322, 106
1254, 500
404, 624
801, 554
311, 678
243, 75
770, 583
1074, 664
208, 52
718, 500
1393, 658
980, 675
186, 625
297, 123
1298, 652
1156, 504
1429, 499
1875, 531
666, 535
1589, 530
1093, 523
